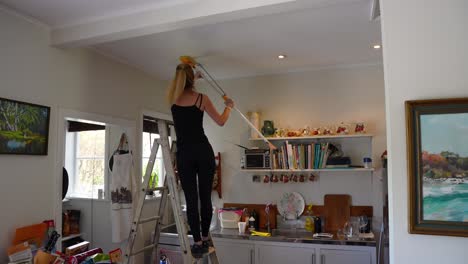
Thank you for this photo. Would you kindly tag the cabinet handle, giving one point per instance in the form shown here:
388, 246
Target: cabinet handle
313, 258
252, 256
322, 259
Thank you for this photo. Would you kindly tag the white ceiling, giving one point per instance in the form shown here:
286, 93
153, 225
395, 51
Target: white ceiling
61, 13
331, 33
313, 38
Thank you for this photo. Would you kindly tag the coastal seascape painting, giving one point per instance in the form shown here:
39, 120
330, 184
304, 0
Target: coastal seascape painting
438, 166
24, 128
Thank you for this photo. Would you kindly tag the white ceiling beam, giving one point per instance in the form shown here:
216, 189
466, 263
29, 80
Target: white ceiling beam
192, 13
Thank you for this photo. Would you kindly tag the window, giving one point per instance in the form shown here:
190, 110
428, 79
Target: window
150, 133
85, 162
158, 169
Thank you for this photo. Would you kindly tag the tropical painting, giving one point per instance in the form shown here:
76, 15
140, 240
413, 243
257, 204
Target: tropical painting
444, 144
24, 128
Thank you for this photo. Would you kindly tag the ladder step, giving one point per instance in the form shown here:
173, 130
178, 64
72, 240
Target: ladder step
143, 250
162, 188
167, 226
149, 219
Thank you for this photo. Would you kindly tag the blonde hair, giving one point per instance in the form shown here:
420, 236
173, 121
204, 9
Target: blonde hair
183, 79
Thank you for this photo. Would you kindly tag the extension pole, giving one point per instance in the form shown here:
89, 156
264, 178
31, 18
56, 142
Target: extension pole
189, 60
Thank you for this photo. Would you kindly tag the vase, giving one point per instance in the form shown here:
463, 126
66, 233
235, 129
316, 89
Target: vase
255, 120
268, 129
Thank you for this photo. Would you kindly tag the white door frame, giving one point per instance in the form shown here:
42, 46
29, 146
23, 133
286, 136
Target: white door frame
64, 114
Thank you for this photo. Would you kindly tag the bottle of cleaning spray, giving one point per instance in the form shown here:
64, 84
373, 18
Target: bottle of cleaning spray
309, 221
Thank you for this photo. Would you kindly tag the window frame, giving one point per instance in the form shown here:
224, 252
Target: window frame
159, 116
72, 194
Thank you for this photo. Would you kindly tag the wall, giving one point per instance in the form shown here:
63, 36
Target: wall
424, 45
82, 80
294, 100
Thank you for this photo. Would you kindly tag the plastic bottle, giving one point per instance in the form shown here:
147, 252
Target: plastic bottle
309, 221
251, 223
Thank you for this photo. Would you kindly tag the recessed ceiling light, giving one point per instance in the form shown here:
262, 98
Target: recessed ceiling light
377, 46
281, 57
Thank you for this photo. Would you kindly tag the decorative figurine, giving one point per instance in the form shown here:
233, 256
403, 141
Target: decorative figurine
360, 128
305, 131
268, 128
342, 129
280, 132
315, 132
327, 131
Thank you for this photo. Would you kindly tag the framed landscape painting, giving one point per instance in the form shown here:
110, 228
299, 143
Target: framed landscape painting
437, 135
24, 128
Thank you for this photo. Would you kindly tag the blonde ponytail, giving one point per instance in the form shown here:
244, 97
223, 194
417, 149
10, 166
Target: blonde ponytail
176, 87
183, 79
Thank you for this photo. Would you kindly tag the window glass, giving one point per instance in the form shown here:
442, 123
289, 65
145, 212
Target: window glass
88, 163
158, 169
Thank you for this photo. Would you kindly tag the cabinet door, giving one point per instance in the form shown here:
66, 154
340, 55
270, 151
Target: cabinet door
275, 254
234, 253
332, 256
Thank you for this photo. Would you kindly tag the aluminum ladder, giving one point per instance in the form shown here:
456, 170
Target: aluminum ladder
168, 190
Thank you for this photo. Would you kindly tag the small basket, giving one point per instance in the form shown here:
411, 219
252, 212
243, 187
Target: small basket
229, 218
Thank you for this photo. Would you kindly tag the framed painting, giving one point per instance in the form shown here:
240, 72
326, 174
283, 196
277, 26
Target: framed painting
24, 128
437, 137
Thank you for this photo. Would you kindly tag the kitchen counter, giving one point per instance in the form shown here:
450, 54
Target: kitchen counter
292, 236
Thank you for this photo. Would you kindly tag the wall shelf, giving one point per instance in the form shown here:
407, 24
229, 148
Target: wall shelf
308, 170
316, 137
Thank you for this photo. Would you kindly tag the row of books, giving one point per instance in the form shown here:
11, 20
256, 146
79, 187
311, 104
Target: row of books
301, 156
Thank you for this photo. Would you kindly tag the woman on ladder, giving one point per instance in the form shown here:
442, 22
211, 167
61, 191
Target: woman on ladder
195, 156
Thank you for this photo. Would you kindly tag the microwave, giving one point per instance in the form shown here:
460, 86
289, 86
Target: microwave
257, 159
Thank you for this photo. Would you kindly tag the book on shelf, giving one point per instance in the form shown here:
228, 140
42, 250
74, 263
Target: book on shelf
302, 156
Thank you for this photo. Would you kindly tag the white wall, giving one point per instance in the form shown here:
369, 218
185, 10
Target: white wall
424, 45
32, 71
294, 100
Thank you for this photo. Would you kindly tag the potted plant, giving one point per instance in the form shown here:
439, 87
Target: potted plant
153, 181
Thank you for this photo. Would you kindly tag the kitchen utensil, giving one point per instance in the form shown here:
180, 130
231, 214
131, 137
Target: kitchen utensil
291, 205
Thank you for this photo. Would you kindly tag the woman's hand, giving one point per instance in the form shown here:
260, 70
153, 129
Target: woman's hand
228, 102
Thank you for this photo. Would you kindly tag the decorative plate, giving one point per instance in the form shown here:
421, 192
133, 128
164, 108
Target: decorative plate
291, 205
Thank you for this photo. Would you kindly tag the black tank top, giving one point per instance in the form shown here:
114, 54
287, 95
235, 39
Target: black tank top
188, 123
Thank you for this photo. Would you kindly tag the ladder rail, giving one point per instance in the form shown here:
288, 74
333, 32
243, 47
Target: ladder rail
175, 199
141, 200
170, 191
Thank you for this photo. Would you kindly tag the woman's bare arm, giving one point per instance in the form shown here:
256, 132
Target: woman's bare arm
220, 119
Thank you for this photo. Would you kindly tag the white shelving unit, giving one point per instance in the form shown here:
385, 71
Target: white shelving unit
356, 146
315, 137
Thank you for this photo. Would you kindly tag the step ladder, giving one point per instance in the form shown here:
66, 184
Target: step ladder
168, 190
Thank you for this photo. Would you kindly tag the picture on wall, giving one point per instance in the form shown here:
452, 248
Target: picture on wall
437, 135
24, 128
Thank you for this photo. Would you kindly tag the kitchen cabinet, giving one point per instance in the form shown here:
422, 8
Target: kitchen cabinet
279, 253
264, 252
234, 251
341, 256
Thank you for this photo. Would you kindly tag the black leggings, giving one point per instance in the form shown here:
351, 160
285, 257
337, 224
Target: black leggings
192, 160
